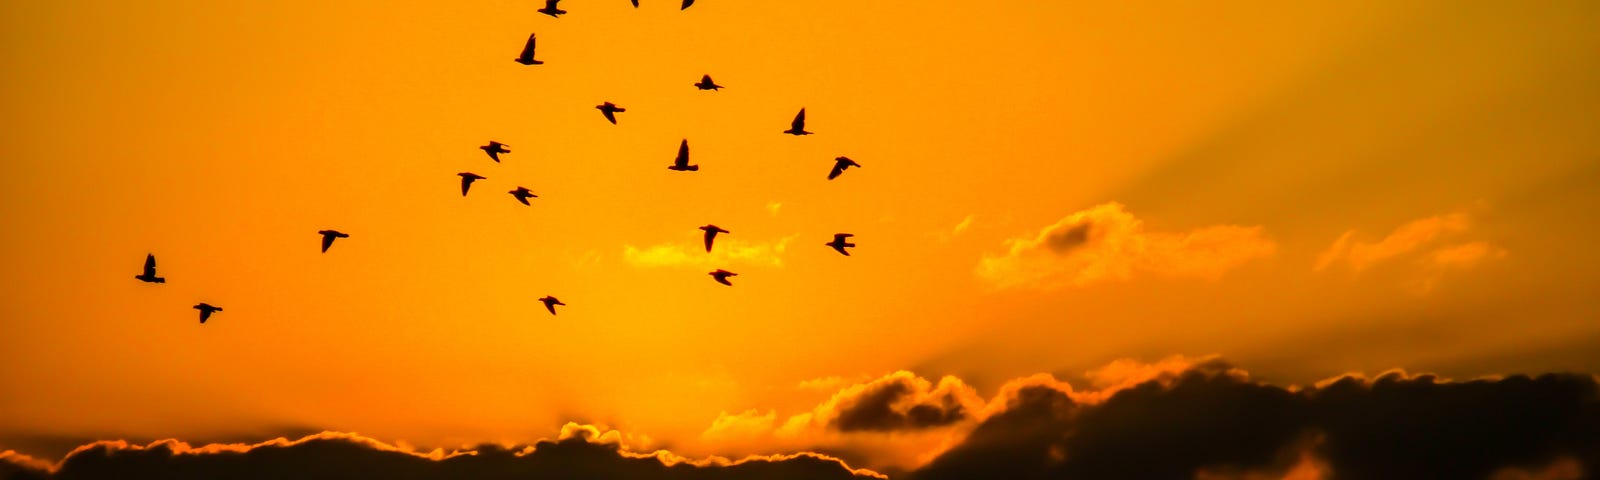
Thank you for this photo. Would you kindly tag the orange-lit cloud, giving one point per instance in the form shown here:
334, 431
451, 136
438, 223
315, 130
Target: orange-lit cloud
1358, 255
1106, 242
728, 251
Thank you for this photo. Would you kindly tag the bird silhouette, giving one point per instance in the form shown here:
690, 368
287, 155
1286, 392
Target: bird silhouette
206, 310
494, 149
523, 194
328, 236
686, 4
551, 10
839, 243
550, 304
798, 126
610, 110
711, 234
682, 162
721, 276
526, 58
149, 273
707, 84
635, 3
466, 181
839, 164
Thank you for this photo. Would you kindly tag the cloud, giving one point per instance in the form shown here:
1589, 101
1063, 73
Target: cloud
585, 453
1213, 422
1464, 256
1108, 243
728, 251
1358, 256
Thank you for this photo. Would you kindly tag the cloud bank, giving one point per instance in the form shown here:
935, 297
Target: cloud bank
1180, 418
1106, 242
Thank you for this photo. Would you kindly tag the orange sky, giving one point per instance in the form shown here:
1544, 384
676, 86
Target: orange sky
1397, 184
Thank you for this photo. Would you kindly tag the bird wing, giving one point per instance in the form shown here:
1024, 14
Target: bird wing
683, 154
686, 4
635, 3
327, 241
611, 117
150, 264
711, 233
551, 4
466, 182
551, 306
527, 50
838, 168
839, 246
842, 237
799, 122
204, 314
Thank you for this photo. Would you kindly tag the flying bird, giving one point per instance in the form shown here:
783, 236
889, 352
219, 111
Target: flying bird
610, 110
494, 149
721, 276
682, 162
686, 4
707, 84
550, 304
526, 58
551, 10
206, 310
466, 181
839, 164
798, 126
328, 236
523, 194
149, 274
711, 234
840, 243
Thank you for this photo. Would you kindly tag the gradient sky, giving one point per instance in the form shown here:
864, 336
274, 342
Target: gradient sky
1304, 189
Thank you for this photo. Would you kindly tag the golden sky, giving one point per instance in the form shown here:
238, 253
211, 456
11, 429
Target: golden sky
1304, 189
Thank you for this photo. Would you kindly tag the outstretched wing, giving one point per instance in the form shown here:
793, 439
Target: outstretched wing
466, 183
711, 234
838, 168
527, 50
686, 4
683, 154
839, 246
150, 264
799, 122
551, 306
551, 4
610, 117
327, 241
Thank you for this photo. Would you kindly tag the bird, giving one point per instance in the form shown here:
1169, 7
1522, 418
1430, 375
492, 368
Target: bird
206, 310
466, 181
686, 4
839, 164
610, 110
328, 236
149, 274
526, 58
523, 194
798, 127
707, 84
550, 304
682, 162
711, 234
840, 243
494, 149
721, 276
551, 10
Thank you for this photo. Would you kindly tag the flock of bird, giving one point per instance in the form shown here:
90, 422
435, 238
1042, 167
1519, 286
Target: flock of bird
797, 127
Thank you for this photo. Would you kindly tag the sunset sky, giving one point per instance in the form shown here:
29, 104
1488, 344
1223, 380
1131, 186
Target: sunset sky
1103, 193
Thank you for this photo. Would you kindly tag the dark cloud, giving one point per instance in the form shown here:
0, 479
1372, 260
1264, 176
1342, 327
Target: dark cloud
1066, 239
891, 405
1212, 420
342, 456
